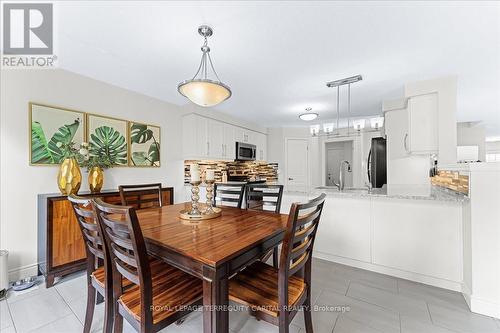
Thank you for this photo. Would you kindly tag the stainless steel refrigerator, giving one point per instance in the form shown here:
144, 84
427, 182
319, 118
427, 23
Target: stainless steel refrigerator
377, 163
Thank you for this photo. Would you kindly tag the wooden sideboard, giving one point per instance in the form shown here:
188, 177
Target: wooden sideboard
61, 249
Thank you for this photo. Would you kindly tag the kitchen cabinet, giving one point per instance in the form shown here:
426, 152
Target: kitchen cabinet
229, 151
205, 138
422, 124
261, 143
215, 139
413, 129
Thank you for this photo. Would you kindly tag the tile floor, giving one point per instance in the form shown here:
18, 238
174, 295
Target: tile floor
365, 302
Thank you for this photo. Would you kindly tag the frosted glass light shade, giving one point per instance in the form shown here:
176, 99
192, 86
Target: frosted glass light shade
314, 129
377, 122
328, 128
358, 124
204, 92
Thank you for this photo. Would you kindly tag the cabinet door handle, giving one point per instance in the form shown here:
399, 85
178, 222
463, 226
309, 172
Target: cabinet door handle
222, 147
290, 178
208, 148
405, 142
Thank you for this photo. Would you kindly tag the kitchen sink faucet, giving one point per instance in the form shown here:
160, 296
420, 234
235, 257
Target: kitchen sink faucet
341, 183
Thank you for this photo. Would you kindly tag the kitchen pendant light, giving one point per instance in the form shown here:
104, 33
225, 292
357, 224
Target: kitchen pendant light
308, 115
200, 89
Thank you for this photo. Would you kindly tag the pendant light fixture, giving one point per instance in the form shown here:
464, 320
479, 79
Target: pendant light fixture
200, 89
308, 115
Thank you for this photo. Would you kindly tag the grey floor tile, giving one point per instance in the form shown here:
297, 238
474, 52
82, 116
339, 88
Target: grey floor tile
404, 305
366, 277
71, 287
410, 325
434, 295
461, 321
5, 318
39, 310
254, 326
370, 315
79, 308
68, 324
346, 325
327, 280
38, 288
323, 321
9, 329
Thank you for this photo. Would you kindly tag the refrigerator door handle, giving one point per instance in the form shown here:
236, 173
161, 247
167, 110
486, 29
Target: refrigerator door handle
368, 166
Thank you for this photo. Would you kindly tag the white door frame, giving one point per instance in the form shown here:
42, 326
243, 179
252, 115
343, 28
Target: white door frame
323, 155
307, 160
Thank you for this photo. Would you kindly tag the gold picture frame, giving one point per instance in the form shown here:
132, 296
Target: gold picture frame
144, 145
105, 128
63, 128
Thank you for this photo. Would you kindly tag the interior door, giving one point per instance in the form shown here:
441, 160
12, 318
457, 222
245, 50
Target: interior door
297, 165
333, 158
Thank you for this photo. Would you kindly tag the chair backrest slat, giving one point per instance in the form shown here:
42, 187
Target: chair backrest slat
229, 193
88, 226
296, 252
258, 195
141, 195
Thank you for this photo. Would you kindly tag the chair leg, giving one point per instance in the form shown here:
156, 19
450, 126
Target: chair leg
307, 312
108, 314
89, 315
275, 258
118, 322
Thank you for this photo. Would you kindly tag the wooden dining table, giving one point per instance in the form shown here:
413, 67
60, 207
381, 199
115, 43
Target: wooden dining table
212, 250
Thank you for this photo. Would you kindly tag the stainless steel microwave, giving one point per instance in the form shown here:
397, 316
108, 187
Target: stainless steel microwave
245, 151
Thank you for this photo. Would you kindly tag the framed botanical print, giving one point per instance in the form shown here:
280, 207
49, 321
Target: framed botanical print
144, 143
108, 137
51, 128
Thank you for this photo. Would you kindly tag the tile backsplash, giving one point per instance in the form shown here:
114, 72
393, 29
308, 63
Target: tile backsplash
241, 170
452, 180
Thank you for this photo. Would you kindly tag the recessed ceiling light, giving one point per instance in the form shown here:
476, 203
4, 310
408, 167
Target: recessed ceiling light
308, 115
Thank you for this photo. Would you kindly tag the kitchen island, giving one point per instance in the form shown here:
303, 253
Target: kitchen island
411, 232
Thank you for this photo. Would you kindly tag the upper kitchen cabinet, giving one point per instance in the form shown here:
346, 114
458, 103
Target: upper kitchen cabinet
205, 138
261, 143
411, 125
423, 124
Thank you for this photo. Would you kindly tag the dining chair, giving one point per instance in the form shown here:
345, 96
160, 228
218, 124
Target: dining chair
97, 283
276, 295
265, 197
141, 196
229, 194
161, 294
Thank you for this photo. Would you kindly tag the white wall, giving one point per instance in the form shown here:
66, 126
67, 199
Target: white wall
20, 182
472, 134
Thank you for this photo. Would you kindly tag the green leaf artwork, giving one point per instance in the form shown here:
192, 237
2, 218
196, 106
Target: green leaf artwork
106, 141
43, 152
145, 146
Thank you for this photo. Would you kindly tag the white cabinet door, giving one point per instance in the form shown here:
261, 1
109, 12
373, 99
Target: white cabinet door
419, 236
344, 229
260, 142
239, 134
201, 128
396, 130
423, 124
215, 139
189, 137
229, 142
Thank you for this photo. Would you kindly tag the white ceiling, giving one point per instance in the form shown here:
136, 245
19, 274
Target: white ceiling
277, 56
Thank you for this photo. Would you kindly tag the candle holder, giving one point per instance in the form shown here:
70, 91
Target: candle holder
210, 195
195, 211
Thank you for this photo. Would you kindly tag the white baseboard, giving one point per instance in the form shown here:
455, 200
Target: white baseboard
23, 272
484, 307
430, 280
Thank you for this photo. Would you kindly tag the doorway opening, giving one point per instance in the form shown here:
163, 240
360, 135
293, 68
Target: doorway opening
336, 152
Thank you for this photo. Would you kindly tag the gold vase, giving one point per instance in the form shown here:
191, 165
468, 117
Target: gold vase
96, 179
69, 177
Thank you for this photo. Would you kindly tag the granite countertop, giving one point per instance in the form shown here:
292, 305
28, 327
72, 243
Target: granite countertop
412, 192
